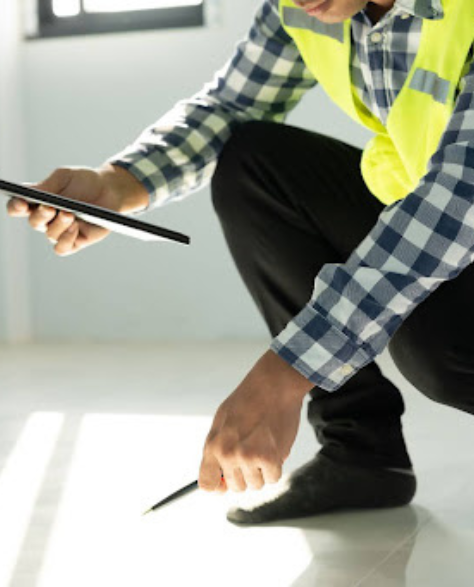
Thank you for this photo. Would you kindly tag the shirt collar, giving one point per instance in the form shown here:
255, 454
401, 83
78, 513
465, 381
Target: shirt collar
430, 9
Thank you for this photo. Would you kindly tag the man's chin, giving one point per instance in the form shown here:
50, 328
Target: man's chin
327, 16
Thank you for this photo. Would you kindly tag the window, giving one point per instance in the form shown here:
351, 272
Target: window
57, 18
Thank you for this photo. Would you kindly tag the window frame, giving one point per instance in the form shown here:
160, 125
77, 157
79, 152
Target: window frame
49, 25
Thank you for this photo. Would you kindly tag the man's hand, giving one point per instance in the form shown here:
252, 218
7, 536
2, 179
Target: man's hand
108, 187
254, 428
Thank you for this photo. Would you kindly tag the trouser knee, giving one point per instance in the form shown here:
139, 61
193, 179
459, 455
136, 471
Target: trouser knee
437, 367
235, 164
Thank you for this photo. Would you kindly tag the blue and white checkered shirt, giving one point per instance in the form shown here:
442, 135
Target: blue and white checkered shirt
418, 242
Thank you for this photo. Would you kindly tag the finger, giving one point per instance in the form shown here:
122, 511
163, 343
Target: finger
18, 208
66, 243
59, 225
222, 487
253, 477
234, 479
82, 241
41, 217
271, 472
210, 474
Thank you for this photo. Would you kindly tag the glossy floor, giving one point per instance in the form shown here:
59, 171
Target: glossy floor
92, 436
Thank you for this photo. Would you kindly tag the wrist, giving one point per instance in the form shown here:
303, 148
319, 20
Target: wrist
285, 381
129, 193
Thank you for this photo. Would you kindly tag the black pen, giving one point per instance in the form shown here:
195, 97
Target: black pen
183, 491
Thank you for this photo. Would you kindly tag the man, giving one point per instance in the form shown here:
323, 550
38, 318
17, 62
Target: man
300, 217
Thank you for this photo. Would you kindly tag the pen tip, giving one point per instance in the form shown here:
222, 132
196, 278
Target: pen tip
147, 512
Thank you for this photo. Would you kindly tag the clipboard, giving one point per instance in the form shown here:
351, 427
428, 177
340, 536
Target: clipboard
119, 223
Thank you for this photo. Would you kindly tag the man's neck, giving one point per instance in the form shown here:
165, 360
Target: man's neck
376, 11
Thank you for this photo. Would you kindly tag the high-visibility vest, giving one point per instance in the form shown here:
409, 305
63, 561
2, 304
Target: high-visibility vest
396, 159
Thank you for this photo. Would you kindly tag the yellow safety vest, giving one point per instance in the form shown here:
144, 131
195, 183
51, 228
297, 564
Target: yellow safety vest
396, 159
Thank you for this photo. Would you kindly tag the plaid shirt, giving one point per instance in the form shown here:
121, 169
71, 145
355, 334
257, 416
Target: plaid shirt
418, 242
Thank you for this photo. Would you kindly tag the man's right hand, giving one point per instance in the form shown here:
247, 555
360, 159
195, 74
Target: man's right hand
109, 187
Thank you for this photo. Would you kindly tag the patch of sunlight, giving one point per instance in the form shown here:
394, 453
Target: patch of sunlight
20, 482
122, 465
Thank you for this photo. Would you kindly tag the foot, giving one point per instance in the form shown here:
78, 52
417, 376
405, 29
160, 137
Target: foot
324, 485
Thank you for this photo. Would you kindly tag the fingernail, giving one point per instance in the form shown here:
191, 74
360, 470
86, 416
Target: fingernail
65, 219
53, 240
17, 205
43, 211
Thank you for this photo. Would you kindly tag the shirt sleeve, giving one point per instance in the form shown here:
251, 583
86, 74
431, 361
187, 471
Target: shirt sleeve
417, 244
264, 80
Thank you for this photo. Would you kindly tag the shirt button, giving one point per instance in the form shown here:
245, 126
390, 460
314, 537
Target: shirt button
405, 15
376, 37
347, 369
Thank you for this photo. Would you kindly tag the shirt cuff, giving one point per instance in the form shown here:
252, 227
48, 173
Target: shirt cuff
147, 173
319, 351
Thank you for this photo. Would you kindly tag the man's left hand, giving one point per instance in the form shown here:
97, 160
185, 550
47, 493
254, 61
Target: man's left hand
254, 428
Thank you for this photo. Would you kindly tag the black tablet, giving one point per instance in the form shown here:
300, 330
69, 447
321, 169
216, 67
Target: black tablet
94, 214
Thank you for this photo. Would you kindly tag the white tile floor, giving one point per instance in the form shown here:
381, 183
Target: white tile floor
90, 436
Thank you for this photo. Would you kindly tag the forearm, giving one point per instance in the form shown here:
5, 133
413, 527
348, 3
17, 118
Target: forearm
281, 381
264, 79
417, 244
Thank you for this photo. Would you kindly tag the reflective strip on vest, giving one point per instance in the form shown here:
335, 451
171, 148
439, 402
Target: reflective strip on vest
397, 157
429, 83
298, 19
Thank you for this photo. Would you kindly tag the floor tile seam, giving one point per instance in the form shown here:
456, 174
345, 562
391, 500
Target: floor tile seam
393, 552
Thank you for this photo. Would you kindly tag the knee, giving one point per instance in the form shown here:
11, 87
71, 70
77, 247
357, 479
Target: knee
436, 368
235, 164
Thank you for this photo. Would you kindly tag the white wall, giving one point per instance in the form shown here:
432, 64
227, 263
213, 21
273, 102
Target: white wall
14, 275
85, 98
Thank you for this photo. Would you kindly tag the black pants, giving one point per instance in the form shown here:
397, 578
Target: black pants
290, 201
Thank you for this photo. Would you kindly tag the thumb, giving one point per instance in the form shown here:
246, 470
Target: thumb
55, 183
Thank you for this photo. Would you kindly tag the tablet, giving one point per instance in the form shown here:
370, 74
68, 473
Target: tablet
113, 221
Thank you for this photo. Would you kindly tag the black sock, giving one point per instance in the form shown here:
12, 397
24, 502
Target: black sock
324, 485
